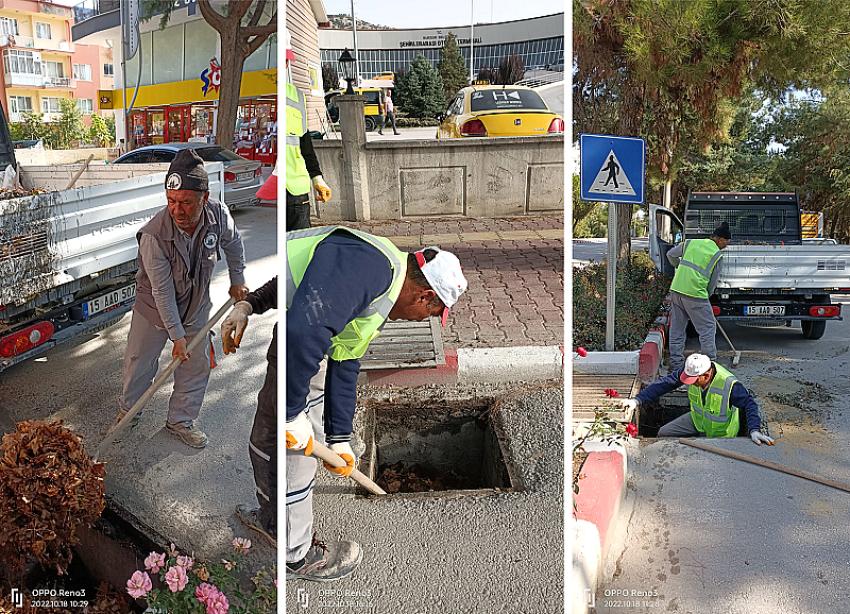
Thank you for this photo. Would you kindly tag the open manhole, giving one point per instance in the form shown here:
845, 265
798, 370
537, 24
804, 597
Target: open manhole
436, 448
652, 416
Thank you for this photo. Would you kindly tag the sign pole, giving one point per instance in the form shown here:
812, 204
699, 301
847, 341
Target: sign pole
611, 281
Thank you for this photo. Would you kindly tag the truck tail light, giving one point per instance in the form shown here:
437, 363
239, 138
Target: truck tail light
557, 126
474, 127
715, 310
258, 172
26, 339
825, 311
229, 177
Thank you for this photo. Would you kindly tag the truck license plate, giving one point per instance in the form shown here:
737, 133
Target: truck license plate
106, 301
245, 176
765, 310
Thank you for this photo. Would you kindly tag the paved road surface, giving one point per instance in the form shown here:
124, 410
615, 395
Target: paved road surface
716, 536
586, 251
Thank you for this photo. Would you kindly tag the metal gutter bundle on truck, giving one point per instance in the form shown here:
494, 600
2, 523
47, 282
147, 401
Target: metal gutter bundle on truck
768, 272
68, 256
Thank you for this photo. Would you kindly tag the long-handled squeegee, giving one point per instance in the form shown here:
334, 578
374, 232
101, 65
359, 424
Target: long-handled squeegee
737, 357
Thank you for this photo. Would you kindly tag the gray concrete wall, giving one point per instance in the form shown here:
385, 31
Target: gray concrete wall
464, 177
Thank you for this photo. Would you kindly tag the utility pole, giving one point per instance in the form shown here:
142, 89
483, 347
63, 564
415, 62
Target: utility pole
471, 41
356, 54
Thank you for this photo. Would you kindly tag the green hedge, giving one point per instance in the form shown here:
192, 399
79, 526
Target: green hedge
640, 292
416, 122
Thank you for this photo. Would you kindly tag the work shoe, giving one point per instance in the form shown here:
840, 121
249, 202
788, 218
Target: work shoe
325, 563
191, 435
253, 519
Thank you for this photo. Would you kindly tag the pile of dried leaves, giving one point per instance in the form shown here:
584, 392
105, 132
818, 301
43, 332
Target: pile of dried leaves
9, 193
417, 478
49, 488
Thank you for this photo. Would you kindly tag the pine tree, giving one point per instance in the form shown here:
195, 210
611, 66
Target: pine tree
452, 69
422, 90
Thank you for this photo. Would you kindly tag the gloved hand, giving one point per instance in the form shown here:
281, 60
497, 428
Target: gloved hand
238, 292
347, 454
629, 404
759, 439
234, 326
299, 434
323, 190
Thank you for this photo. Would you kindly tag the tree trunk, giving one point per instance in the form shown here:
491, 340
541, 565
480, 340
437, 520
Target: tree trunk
232, 59
624, 233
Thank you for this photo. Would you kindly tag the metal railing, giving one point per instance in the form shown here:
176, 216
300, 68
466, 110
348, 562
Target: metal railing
92, 8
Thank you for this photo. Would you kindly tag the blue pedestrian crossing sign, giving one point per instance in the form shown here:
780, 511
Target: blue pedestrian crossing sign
612, 168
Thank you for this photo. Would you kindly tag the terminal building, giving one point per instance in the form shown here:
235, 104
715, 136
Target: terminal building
539, 41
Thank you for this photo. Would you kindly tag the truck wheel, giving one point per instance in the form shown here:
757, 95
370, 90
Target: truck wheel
370, 124
813, 329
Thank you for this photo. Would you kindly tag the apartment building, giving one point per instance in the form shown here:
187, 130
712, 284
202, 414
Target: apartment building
41, 64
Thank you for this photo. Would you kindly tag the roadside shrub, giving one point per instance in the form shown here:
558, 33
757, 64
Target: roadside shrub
416, 122
640, 292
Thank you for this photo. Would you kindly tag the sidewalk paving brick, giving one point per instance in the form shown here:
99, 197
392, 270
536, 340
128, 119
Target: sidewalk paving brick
515, 269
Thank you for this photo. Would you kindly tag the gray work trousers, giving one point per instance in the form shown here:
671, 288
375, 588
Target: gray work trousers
301, 475
683, 426
262, 448
141, 362
698, 311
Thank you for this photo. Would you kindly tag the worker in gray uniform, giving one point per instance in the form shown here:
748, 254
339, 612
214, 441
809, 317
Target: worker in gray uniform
696, 276
178, 249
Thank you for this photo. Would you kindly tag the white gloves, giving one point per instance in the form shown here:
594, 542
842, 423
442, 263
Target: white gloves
323, 190
299, 434
629, 404
759, 439
347, 454
234, 325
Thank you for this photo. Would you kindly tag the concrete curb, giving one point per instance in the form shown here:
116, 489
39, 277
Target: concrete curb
601, 492
505, 364
652, 352
607, 363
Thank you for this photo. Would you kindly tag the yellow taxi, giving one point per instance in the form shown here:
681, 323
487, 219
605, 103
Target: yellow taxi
498, 110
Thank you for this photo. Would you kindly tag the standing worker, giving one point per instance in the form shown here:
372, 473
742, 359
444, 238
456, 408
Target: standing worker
388, 113
716, 398
262, 445
696, 275
302, 165
178, 250
343, 286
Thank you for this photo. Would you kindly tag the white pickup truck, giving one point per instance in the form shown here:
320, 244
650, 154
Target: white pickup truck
68, 256
768, 272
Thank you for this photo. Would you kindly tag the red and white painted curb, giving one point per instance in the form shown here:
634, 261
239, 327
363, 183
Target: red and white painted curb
470, 365
651, 352
602, 485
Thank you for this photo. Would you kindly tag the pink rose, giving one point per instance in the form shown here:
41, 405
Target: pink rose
205, 592
176, 578
218, 604
155, 562
139, 584
185, 562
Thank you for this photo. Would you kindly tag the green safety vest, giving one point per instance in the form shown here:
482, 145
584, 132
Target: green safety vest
715, 417
693, 274
353, 341
297, 177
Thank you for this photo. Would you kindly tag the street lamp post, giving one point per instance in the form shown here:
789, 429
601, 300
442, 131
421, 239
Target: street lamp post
347, 64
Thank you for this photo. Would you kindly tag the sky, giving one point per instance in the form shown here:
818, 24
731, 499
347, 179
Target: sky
440, 13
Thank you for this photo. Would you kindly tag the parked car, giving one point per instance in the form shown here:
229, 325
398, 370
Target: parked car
498, 110
242, 178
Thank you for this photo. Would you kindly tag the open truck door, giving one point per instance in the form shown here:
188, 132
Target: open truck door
665, 232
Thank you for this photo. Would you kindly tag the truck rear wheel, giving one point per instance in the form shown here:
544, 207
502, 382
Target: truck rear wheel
813, 329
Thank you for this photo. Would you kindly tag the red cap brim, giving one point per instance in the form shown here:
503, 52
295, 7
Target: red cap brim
688, 379
445, 316
268, 191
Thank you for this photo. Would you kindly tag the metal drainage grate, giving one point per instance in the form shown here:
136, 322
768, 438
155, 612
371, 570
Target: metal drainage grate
405, 345
457, 447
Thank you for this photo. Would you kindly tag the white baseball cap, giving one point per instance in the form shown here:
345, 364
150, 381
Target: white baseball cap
695, 365
444, 275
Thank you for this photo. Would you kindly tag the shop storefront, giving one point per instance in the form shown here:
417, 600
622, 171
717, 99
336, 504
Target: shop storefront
187, 111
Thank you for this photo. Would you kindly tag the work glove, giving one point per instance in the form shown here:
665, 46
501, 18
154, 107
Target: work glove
323, 190
299, 434
234, 326
347, 454
759, 439
629, 404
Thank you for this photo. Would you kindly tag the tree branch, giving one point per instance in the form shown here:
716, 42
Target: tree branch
212, 16
258, 12
259, 39
266, 30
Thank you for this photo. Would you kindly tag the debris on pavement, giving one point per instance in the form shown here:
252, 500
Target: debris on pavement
397, 478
